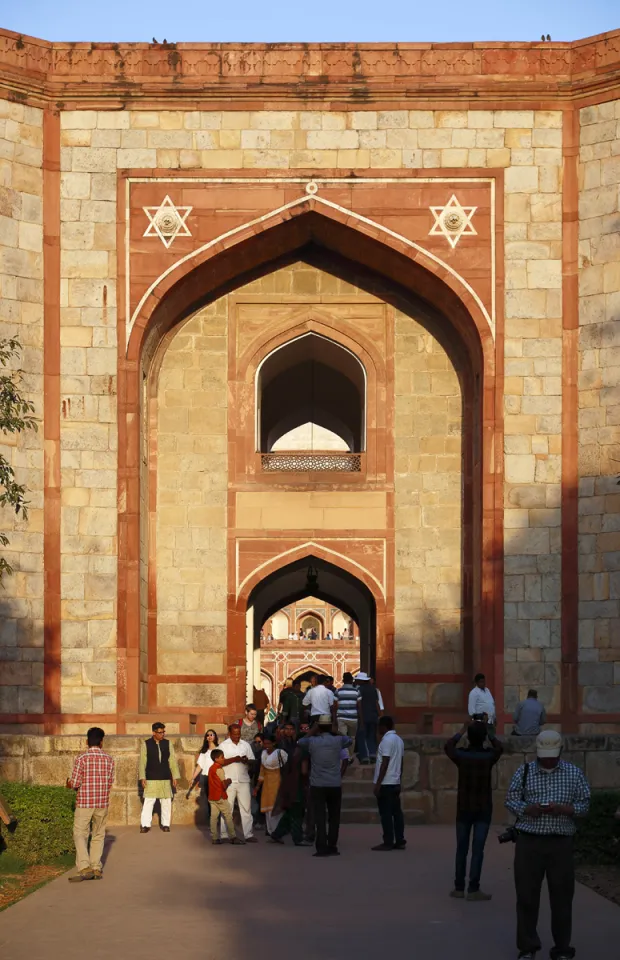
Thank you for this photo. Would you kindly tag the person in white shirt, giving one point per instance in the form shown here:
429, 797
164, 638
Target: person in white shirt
320, 700
238, 755
481, 705
387, 780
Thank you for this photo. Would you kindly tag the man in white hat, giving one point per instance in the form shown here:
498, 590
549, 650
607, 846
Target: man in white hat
546, 796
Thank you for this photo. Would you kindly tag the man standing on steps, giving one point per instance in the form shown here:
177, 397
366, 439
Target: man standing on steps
320, 700
481, 705
474, 804
159, 772
388, 776
349, 712
92, 778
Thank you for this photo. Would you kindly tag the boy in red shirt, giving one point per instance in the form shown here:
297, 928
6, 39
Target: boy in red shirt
218, 798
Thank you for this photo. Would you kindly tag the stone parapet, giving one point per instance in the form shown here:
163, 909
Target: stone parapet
429, 779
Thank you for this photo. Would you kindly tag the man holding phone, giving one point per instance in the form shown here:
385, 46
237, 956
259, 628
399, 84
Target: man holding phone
546, 802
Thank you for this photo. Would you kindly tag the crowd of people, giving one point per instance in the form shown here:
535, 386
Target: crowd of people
285, 778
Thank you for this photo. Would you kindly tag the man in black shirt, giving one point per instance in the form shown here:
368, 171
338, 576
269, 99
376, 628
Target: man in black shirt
474, 805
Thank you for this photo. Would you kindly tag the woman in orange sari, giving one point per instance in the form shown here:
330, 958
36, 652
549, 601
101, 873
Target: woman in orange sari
272, 762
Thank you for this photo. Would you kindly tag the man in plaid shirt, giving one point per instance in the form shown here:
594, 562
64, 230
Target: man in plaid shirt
546, 796
92, 777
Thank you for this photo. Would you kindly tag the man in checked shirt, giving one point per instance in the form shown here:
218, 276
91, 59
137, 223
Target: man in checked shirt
546, 802
92, 777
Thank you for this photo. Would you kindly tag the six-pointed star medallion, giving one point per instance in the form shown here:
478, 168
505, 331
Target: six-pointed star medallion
453, 221
167, 221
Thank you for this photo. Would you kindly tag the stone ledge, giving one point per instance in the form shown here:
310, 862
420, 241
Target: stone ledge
429, 783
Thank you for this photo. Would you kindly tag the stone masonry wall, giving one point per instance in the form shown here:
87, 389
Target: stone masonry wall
526, 144
428, 515
599, 408
21, 315
429, 777
192, 482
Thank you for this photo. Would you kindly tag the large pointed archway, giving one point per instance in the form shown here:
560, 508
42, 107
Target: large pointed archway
401, 277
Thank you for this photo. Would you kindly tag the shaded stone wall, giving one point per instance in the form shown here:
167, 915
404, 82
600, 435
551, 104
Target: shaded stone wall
429, 777
532, 404
427, 516
599, 408
192, 478
88, 435
21, 316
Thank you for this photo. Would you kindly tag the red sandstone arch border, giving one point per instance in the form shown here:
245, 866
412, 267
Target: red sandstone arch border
256, 248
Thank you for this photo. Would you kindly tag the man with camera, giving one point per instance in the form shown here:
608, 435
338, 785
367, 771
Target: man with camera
546, 796
474, 804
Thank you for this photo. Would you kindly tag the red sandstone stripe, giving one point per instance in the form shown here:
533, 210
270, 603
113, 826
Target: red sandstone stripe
570, 467
51, 416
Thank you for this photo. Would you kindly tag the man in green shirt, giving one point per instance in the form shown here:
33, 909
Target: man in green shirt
158, 775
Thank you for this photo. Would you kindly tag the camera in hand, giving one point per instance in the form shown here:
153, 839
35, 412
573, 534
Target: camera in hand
509, 835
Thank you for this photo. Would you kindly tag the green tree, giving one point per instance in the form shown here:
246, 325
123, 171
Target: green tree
16, 415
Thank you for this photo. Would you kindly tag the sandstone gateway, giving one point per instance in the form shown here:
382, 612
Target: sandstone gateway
415, 249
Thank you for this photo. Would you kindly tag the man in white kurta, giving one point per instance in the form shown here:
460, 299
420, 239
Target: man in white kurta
238, 755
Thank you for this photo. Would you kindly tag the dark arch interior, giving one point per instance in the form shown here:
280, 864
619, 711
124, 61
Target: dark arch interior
311, 379
334, 585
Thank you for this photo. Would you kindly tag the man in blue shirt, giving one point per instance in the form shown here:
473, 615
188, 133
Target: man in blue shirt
325, 748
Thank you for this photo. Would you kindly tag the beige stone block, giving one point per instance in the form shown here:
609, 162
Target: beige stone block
386, 158
192, 694
273, 120
220, 159
363, 119
433, 139
137, 158
419, 119
78, 119
84, 263
75, 185
521, 180
454, 158
490, 139
548, 118
513, 118
520, 468
544, 274
90, 160
402, 138
186, 663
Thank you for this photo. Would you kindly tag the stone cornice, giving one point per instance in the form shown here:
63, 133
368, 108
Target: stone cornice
110, 75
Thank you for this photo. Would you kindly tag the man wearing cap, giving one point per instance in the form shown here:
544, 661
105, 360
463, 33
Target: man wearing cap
546, 796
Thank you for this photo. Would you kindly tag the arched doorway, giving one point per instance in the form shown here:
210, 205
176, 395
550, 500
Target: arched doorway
312, 575
390, 275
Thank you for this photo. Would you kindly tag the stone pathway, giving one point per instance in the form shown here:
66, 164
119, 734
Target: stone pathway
174, 895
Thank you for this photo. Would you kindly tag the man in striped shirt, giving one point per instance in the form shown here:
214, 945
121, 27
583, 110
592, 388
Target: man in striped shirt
92, 778
349, 711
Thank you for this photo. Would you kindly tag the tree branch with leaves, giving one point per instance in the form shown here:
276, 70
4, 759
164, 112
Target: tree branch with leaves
16, 416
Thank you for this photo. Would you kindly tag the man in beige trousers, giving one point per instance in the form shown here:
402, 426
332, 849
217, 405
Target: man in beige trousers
92, 778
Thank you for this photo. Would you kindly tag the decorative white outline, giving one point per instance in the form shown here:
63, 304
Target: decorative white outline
181, 229
465, 229
302, 546
490, 318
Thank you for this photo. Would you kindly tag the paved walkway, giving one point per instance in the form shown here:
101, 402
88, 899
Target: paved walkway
174, 895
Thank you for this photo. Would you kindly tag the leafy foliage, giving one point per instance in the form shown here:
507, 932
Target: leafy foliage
16, 415
45, 828
598, 834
